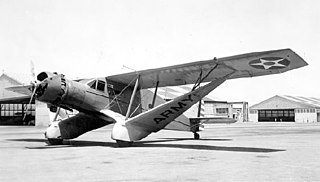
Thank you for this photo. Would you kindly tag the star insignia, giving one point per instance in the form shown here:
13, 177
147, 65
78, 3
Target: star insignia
267, 64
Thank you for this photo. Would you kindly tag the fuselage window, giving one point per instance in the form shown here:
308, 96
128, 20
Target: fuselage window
101, 85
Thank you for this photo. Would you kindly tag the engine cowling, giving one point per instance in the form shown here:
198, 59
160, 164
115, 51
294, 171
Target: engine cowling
52, 88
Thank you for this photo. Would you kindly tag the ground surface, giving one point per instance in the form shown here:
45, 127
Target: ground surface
236, 152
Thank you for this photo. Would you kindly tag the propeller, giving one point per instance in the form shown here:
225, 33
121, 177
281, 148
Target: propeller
33, 74
34, 87
37, 88
29, 104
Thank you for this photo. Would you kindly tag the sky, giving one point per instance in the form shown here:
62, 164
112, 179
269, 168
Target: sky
85, 38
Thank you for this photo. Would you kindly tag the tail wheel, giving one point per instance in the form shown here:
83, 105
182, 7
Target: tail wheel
196, 136
54, 141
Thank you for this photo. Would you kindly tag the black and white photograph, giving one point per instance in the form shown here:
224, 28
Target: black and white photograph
159, 90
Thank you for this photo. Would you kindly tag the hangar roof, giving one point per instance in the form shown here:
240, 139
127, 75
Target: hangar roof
10, 79
21, 78
288, 102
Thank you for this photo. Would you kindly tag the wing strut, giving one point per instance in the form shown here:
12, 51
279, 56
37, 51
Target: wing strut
154, 96
132, 97
200, 80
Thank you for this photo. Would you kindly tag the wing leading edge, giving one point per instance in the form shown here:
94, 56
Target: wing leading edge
244, 65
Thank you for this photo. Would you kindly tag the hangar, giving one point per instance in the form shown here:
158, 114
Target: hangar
286, 108
13, 106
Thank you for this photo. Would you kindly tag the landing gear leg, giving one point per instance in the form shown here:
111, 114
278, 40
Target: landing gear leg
54, 141
196, 136
124, 143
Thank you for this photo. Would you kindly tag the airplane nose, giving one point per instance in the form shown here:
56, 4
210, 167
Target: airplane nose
51, 90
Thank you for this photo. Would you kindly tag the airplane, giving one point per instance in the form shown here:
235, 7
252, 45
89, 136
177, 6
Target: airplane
126, 101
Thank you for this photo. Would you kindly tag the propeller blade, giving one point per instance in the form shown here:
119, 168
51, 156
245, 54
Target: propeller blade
28, 106
33, 74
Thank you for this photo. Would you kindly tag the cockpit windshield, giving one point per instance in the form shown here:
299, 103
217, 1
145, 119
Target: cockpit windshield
92, 84
97, 85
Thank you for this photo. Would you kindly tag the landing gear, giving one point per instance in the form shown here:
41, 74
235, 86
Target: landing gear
196, 136
124, 143
54, 141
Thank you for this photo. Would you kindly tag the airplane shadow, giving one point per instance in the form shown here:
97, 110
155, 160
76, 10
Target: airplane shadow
201, 139
151, 144
210, 147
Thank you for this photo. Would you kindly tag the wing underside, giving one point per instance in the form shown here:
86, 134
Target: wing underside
21, 89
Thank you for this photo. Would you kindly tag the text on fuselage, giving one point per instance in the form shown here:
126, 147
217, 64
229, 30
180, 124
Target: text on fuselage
173, 109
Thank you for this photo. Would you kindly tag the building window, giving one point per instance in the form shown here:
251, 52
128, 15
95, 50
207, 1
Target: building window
285, 115
262, 114
268, 114
17, 109
274, 113
253, 111
208, 108
222, 110
291, 113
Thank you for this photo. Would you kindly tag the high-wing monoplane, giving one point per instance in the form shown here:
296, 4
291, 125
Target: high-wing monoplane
126, 101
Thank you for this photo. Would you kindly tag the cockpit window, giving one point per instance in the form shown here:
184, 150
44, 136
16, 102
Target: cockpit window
101, 85
92, 84
97, 84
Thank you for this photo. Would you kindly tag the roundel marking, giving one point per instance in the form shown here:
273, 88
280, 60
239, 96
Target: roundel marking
270, 63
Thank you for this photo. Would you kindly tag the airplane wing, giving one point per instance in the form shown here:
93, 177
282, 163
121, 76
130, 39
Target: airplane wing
244, 65
77, 125
159, 117
23, 89
17, 100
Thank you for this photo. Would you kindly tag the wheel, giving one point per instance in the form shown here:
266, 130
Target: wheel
196, 136
124, 143
54, 141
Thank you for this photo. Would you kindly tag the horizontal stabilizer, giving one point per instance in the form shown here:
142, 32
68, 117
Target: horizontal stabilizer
214, 120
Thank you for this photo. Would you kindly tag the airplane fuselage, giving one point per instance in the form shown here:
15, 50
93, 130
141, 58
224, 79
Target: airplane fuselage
91, 95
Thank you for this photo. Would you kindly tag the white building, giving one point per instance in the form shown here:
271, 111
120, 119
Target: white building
286, 109
210, 107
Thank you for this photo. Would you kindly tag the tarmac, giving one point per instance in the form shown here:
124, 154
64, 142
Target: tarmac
234, 152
